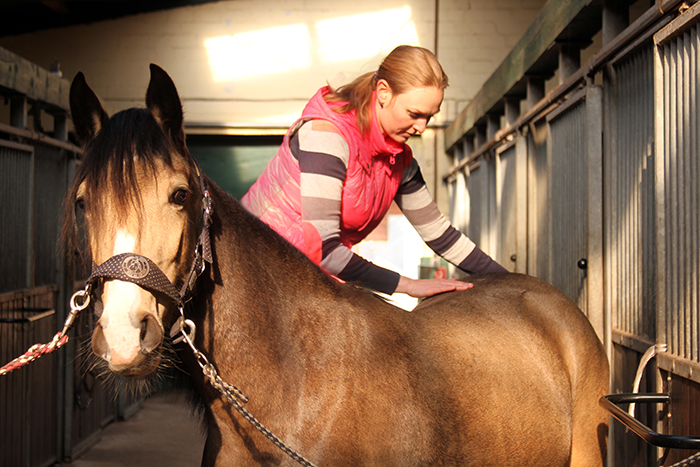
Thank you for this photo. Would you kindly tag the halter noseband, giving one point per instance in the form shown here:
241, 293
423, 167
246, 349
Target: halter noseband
131, 267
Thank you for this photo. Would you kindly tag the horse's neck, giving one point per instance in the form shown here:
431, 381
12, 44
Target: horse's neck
269, 311
258, 276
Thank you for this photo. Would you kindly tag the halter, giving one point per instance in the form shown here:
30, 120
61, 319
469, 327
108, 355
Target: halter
131, 267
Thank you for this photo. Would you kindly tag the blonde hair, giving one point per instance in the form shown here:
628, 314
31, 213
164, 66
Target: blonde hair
406, 67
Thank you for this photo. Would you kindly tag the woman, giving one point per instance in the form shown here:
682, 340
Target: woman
344, 161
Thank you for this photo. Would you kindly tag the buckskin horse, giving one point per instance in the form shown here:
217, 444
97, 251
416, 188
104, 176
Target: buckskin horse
507, 373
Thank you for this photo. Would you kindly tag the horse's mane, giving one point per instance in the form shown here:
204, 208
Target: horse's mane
129, 139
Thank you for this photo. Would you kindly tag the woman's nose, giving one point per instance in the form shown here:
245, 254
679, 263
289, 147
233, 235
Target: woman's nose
420, 125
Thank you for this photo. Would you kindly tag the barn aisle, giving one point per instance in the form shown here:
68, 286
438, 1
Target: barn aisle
162, 433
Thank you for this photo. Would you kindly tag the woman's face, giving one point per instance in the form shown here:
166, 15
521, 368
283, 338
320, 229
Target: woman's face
401, 116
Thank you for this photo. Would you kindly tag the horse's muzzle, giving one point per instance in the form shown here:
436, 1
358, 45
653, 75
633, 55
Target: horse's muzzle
137, 359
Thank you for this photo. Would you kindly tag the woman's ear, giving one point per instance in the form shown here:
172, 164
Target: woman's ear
384, 93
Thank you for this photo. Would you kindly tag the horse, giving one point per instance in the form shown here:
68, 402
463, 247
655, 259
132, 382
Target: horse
507, 373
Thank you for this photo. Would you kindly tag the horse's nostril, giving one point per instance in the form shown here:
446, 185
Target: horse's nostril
151, 334
144, 329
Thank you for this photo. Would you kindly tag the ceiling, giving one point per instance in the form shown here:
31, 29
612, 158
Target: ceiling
25, 16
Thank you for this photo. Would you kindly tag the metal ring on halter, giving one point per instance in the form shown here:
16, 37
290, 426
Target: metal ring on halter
80, 293
75, 308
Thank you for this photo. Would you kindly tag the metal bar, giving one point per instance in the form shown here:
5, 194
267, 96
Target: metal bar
40, 137
39, 314
679, 366
521, 157
29, 276
593, 135
660, 150
678, 25
655, 439
11, 144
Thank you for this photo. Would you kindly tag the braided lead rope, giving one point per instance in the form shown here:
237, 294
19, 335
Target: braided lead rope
691, 460
34, 352
233, 394
37, 350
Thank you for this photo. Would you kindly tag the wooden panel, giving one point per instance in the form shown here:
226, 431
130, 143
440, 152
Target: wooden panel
549, 24
684, 419
22, 76
29, 409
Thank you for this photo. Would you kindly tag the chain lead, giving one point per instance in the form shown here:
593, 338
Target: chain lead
232, 393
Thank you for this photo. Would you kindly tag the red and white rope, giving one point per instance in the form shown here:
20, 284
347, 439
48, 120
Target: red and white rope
34, 352
37, 350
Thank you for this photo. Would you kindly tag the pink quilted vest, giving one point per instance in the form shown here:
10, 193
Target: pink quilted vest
373, 177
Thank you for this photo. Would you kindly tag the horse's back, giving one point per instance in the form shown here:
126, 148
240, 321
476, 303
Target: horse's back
528, 357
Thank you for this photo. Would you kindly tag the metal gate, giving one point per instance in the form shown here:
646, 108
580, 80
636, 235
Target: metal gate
612, 179
676, 58
478, 182
574, 154
16, 193
30, 402
505, 213
678, 103
537, 210
51, 179
53, 408
630, 228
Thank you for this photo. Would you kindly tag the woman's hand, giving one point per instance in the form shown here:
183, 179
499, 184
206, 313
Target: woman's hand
420, 288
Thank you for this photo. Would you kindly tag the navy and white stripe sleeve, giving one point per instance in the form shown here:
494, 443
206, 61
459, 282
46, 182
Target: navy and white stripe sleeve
323, 156
421, 211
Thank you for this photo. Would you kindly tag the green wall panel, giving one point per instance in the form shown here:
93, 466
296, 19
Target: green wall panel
233, 162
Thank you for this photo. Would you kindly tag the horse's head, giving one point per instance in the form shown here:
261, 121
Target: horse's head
139, 190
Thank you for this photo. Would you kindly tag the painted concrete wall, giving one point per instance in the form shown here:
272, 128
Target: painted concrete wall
254, 63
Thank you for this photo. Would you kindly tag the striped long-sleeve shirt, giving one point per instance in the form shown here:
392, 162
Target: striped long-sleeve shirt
323, 156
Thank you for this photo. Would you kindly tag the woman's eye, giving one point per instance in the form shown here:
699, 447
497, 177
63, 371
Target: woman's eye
180, 196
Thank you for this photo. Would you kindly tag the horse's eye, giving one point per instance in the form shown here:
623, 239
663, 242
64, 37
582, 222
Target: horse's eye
180, 196
80, 204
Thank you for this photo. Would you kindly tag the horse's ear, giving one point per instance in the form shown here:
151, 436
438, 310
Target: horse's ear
86, 111
164, 104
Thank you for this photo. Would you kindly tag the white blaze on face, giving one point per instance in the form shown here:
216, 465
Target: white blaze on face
120, 323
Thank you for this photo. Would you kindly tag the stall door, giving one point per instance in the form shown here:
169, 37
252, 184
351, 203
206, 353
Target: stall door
574, 154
